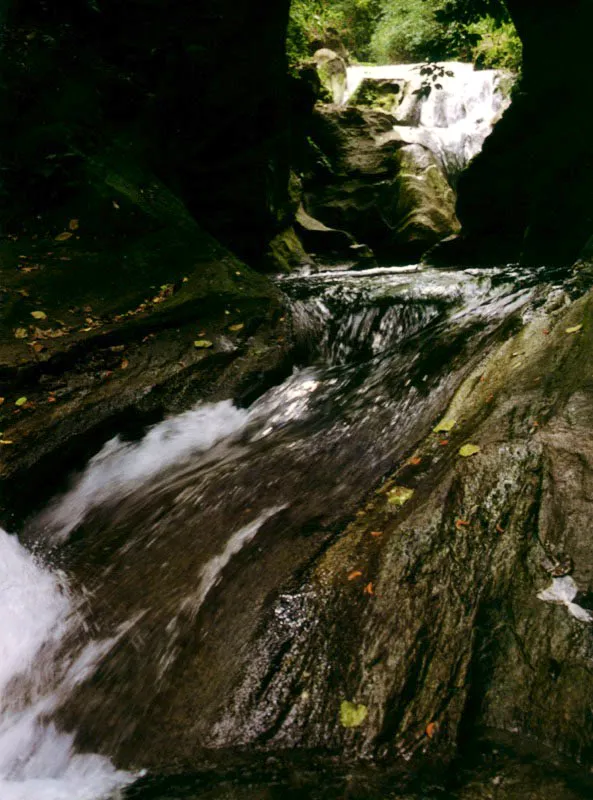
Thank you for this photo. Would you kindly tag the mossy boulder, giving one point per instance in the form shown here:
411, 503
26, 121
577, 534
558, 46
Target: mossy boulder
331, 69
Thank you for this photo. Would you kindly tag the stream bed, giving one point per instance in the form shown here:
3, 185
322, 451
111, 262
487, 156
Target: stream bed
144, 630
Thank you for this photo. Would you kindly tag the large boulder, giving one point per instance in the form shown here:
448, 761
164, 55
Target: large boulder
371, 181
331, 69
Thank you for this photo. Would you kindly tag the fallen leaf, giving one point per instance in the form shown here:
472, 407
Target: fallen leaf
399, 495
499, 529
352, 715
62, 237
52, 399
444, 442
376, 534
445, 426
117, 348
202, 343
21, 333
368, 589
574, 329
546, 332
74, 224
469, 450
37, 347
21, 401
461, 523
124, 364
490, 398
431, 729
2, 399
238, 327
39, 314
115, 204
353, 575
6, 441
413, 462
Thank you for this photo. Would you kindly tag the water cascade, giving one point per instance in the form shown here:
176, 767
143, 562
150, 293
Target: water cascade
450, 114
139, 621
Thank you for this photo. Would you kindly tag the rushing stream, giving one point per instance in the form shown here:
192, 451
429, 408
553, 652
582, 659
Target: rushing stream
166, 551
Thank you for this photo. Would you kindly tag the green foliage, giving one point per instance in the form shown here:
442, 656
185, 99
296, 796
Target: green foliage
392, 31
498, 46
317, 23
408, 31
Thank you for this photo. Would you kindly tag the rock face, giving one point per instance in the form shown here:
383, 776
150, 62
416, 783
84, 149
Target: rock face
528, 195
389, 192
437, 615
331, 69
197, 94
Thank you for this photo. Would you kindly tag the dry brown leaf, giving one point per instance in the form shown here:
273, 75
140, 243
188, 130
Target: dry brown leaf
353, 575
499, 529
461, 523
74, 224
124, 364
368, 589
414, 461
431, 729
376, 534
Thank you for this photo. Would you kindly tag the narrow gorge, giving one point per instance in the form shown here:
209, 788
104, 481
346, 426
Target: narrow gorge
297, 451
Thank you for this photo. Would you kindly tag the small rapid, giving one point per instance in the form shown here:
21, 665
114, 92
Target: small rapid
165, 551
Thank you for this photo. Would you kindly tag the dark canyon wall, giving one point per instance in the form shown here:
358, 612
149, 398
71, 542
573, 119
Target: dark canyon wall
193, 92
530, 193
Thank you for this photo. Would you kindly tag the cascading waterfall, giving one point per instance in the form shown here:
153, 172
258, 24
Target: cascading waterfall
201, 508
453, 120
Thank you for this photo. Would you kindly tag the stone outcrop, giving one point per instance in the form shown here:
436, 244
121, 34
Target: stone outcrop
368, 179
331, 69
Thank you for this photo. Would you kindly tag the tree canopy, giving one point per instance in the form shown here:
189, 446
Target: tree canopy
395, 31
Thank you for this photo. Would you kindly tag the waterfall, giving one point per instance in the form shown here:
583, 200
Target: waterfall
452, 121
176, 544
38, 762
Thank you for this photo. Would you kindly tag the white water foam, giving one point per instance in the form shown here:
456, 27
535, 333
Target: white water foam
38, 762
121, 467
452, 121
210, 576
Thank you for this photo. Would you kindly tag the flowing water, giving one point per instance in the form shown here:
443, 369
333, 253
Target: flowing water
453, 119
165, 551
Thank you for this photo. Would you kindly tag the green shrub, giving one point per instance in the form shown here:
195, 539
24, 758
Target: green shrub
498, 47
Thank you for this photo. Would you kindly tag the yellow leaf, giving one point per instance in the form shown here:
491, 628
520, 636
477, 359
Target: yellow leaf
445, 425
21, 401
574, 329
469, 450
399, 495
238, 327
6, 441
21, 333
74, 224
352, 715
39, 314
124, 364
2, 399
202, 343
62, 237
